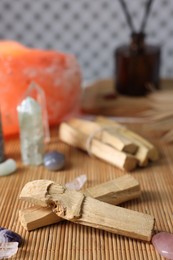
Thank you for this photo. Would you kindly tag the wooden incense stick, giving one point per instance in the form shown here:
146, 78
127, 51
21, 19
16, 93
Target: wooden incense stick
36, 217
116, 191
113, 192
76, 138
145, 151
106, 135
78, 208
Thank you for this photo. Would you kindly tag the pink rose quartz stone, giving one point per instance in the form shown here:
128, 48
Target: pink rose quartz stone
163, 243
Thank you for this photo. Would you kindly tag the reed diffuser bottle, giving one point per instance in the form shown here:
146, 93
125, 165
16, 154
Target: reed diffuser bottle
137, 64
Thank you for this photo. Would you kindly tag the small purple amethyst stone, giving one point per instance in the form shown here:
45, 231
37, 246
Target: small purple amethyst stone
7, 235
54, 161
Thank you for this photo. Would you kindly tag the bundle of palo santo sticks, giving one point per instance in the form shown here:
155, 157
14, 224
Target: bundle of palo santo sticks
109, 141
92, 208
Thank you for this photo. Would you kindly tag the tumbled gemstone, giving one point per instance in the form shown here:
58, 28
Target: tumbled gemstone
7, 167
7, 235
54, 161
163, 243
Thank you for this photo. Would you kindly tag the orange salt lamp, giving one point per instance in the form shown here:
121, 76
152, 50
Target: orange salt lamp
57, 73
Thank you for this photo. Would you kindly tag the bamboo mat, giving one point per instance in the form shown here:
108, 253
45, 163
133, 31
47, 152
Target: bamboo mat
68, 241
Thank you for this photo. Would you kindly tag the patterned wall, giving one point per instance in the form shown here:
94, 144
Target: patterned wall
91, 29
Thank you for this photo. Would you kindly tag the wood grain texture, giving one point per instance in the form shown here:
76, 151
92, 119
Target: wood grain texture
36, 217
68, 241
116, 191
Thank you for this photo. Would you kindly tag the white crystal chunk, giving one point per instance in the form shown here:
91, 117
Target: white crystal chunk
7, 250
31, 131
77, 183
37, 93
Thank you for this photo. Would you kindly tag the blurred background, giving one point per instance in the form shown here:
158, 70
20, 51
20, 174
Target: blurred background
89, 29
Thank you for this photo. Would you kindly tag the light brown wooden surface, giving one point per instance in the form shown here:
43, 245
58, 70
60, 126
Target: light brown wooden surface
100, 97
69, 241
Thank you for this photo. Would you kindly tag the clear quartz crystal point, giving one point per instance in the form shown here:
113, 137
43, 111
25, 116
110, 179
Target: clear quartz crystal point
7, 250
36, 92
77, 183
31, 131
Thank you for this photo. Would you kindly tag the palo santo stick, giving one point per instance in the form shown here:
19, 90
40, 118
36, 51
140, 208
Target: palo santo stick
74, 137
142, 152
150, 151
76, 207
36, 217
106, 135
114, 192
119, 131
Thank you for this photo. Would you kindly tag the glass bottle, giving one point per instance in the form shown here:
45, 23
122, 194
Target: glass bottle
137, 67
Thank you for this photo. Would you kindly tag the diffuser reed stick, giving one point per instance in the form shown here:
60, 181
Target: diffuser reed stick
129, 18
127, 15
147, 11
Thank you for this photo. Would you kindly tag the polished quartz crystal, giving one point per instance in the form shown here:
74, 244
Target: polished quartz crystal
163, 243
54, 161
7, 235
31, 131
36, 92
7, 250
77, 183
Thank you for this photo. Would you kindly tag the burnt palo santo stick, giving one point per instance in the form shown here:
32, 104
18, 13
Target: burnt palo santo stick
76, 138
113, 192
78, 208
